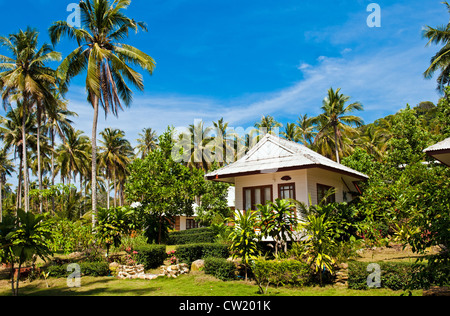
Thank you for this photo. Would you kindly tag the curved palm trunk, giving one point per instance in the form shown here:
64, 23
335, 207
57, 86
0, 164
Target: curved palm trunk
94, 161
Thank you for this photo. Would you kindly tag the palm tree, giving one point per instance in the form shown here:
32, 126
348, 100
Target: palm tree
440, 61
224, 142
268, 125
11, 132
290, 132
115, 156
199, 143
148, 142
6, 169
26, 78
305, 130
106, 61
57, 122
73, 155
335, 118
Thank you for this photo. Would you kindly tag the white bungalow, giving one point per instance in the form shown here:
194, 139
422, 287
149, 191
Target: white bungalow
278, 168
440, 151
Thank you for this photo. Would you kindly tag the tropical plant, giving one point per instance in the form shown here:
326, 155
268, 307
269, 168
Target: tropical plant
29, 238
278, 221
112, 225
147, 143
6, 169
335, 119
163, 187
319, 242
441, 60
305, 130
107, 62
11, 134
115, 155
244, 240
25, 77
73, 155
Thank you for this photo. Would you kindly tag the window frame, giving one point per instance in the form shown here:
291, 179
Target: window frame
323, 188
253, 199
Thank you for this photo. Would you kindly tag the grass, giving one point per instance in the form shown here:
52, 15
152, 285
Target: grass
202, 285
186, 285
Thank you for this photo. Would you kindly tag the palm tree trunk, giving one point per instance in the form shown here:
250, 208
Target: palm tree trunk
94, 160
1, 199
336, 144
108, 191
24, 157
39, 156
53, 168
19, 186
115, 188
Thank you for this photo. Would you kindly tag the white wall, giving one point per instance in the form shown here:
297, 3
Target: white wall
298, 176
306, 181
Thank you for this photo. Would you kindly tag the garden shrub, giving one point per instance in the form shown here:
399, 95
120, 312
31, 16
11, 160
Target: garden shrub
95, 269
151, 256
280, 272
192, 236
221, 268
394, 275
191, 252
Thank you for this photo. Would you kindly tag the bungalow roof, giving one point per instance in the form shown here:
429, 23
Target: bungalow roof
273, 154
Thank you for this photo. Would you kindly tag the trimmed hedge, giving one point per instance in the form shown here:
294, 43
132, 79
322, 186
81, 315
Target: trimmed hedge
280, 272
191, 252
95, 269
192, 236
394, 275
221, 268
151, 256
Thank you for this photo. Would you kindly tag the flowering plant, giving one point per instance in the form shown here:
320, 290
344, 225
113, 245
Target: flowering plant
130, 257
171, 255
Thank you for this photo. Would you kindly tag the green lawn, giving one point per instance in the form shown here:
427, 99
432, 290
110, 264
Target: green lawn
187, 285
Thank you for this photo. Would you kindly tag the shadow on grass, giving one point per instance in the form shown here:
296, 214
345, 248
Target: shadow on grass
89, 287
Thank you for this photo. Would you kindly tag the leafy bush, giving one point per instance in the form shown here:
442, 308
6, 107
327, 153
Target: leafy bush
95, 269
280, 272
69, 236
192, 236
151, 256
191, 252
221, 268
394, 275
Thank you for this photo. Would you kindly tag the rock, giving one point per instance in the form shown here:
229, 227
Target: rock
198, 265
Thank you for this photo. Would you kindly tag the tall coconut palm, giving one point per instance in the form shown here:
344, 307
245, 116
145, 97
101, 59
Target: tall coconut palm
148, 142
25, 77
115, 155
305, 130
11, 132
290, 132
336, 119
73, 154
106, 60
441, 60
6, 169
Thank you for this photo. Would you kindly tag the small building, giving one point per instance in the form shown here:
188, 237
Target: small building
278, 168
440, 151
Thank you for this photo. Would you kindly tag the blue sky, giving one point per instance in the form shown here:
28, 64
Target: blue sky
244, 59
